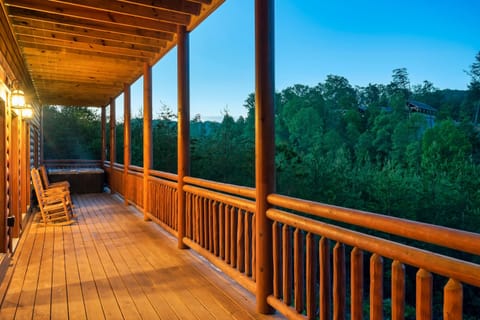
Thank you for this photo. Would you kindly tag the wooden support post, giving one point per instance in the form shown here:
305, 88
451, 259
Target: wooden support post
183, 142
35, 147
42, 140
25, 167
3, 177
104, 135
264, 147
147, 134
14, 174
112, 143
126, 139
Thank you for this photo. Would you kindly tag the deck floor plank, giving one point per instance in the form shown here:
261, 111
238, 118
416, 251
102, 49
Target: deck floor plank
11, 300
28, 289
111, 264
59, 280
76, 303
43, 297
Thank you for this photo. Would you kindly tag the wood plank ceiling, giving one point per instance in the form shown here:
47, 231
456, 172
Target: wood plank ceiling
81, 52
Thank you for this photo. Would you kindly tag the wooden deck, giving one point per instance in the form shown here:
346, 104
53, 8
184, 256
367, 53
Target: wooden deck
113, 265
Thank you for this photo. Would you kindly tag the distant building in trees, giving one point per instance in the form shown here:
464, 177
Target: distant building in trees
428, 111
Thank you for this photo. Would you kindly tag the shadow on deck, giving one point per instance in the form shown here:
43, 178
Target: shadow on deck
112, 264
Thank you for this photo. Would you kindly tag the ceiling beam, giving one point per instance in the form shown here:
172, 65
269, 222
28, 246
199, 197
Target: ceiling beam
50, 35
89, 24
88, 49
190, 7
21, 25
111, 18
129, 9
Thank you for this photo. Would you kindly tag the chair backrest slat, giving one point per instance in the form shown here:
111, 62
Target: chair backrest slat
44, 176
37, 184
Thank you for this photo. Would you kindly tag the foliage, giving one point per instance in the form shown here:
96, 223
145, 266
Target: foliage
353, 147
71, 133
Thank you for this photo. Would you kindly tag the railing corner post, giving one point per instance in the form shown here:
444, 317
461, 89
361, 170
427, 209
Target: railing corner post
183, 142
264, 148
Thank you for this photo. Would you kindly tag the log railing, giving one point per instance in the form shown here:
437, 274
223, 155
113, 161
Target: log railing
162, 194
220, 224
328, 261
313, 259
72, 163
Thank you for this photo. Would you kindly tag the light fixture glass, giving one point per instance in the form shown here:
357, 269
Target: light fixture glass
27, 112
18, 99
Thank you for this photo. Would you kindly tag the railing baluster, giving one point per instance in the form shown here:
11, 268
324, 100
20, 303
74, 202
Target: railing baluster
216, 236
197, 219
233, 233
208, 225
398, 290
228, 234
247, 237
221, 224
339, 282
424, 295
200, 222
287, 265
376, 287
325, 282
188, 213
240, 242
356, 281
254, 255
298, 269
276, 248
453, 304
211, 225
310, 268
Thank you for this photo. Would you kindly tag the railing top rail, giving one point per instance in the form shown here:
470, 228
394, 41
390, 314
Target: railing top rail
437, 235
223, 187
71, 161
163, 175
135, 168
118, 165
241, 203
450, 267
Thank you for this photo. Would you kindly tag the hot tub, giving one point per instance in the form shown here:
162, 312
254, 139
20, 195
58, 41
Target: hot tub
82, 180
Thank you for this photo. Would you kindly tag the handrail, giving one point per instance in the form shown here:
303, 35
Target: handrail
135, 168
224, 187
227, 199
118, 166
439, 264
169, 183
163, 175
437, 235
72, 163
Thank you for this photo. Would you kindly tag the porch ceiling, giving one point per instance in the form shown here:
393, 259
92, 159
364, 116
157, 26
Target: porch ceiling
81, 52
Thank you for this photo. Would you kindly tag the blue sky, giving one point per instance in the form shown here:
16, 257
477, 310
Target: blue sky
360, 40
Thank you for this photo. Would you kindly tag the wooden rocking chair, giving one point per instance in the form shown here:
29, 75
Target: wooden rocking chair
64, 185
53, 203
47, 184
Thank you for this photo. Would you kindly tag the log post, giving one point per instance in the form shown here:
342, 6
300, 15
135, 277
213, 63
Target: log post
264, 147
147, 134
3, 176
112, 143
25, 167
104, 135
183, 142
126, 139
15, 174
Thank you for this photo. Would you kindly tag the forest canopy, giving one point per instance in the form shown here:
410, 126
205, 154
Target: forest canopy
399, 149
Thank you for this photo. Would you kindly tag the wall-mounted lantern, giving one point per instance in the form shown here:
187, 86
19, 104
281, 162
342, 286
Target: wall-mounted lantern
27, 112
18, 99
